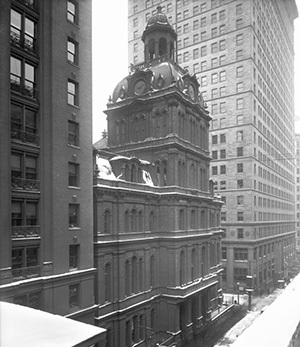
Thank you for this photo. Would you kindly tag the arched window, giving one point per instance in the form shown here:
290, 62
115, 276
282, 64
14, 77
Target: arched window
133, 221
152, 271
107, 281
127, 173
133, 173
165, 172
203, 222
151, 46
193, 219
141, 275
152, 319
127, 278
181, 220
134, 274
107, 217
162, 46
203, 261
151, 221
127, 225
182, 268
141, 222
212, 253
193, 264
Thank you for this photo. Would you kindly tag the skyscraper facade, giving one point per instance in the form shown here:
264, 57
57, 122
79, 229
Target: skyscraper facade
242, 54
46, 252
297, 161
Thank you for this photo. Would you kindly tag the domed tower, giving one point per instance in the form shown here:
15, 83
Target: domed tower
159, 37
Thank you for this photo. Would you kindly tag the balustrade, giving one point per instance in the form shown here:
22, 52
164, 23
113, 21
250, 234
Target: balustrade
25, 272
25, 137
25, 231
25, 184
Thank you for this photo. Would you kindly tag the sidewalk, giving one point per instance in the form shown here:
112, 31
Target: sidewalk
258, 304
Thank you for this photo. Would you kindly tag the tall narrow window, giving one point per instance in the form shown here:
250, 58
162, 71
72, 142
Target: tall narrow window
152, 271
72, 12
73, 133
73, 175
73, 215
107, 281
72, 93
72, 48
127, 278
73, 256
74, 296
107, 217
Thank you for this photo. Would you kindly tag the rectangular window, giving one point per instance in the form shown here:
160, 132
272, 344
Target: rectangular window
203, 80
239, 55
240, 151
203, 35
196, 53
222, 45
214, 154
22, 77
73, 175
239, 167
239, 39
203, 67
222, 122
222, 15
214, 78
240, 87
240, 274
222, 185
240, 254
185, 14
203, 7
196, 68
214, 109
240, 184
214, 32
222, 107
196, 38
239, 119
214, 139
185, 57
239, 135
214, 47
214, 93
214, 18
240, 233
224, 253
72, 10
74, 295
222, 138
73, 133
223, 169
214, 170
240, 200
239, 9
195, 10
196, 24
239, 23
240, 104
222, 76
186, 28
73, 215
222, 153
203, 22
222, 29
222, 60
214, 62
203, 51
72, 93
223, 217
72, 47
73, 256
135, 22
222, 91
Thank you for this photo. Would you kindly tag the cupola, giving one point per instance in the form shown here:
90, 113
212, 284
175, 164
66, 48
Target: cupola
159, 37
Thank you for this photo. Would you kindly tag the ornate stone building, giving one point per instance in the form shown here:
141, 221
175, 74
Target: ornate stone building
157, 220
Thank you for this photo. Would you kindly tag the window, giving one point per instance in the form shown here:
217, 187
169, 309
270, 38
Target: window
214, 18
239, 135
240, 254
214, 47
185, 56
239, 39
203, 35
214, 62
222, 29
203, 7
239, 23
222, 185
214, 139
222, 153
135, 47
135, 34
239, 167
72, 12
196, 38
239, 87
203, 22
195, 10
135, 22
214, 124
239, 54
224, 253
214, 32
72, 93
239, 9
74, 295
24, 212
240, 274
239, 151
73, 175
22, 77
203, 51
222, 122
73, 133
73, 256
222, 60
203, 67
222, 138
240, 184
203, 81
23, 165
240, 104
73, 215
222, 107
22, 31
214, 170
135, 9
239, 119
223, 216
196, 68
196, 53
185, 14
222, 15
223, 169
214, 109
222, 45
214, 93
222, 91
214, 78
214, 154
185, 28
222, 76
195, 25
214, 3
240, 200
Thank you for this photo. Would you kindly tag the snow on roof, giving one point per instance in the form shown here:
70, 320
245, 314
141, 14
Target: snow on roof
105, 169
276, 325
118, 157
25, 326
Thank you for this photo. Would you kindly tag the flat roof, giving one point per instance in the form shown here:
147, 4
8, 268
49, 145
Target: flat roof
276, 326
28, 327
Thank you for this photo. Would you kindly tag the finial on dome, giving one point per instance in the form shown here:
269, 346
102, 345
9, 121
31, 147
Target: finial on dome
159, 8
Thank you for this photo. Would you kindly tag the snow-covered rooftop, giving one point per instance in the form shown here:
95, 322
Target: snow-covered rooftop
27, 327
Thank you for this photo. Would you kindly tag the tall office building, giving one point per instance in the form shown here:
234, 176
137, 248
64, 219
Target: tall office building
297, 161
242, 54
46, 248
157, 218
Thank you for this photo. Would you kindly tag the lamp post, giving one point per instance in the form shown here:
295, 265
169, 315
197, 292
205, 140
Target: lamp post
238, 292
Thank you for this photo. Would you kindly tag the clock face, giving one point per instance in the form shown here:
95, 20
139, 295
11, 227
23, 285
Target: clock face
192, 91
139, 87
